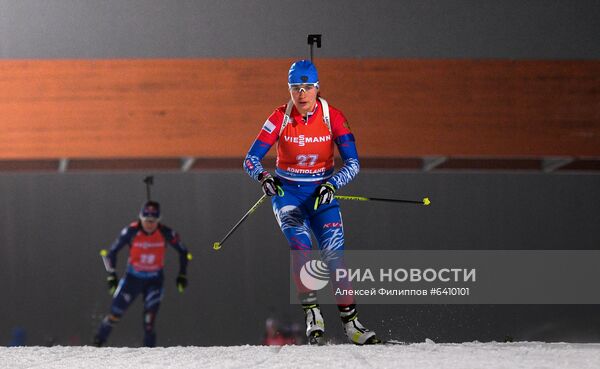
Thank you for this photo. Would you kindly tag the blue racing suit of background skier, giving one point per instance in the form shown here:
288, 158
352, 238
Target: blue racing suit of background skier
147, 240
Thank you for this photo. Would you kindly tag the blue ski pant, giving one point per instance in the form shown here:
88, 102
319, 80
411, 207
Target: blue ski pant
129, 288
297, 218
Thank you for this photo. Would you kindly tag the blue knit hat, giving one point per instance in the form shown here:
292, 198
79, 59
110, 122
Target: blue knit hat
303, 71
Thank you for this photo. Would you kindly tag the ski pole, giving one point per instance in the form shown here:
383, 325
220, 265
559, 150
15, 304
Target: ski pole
107, 266
217, 245
425, 200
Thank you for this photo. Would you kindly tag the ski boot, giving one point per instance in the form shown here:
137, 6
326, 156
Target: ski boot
315, 326
104, 330
98, 342
355, 331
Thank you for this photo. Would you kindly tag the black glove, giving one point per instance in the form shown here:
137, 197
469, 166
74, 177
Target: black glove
113, 281
181, 282
271, 186
325, 194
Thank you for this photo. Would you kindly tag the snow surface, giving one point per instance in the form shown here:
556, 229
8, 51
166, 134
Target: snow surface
536, 355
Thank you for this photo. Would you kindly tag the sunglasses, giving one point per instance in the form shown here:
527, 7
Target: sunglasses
149, 219
306, 87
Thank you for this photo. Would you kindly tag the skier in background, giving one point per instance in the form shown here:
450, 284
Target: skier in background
303, 188
147, 240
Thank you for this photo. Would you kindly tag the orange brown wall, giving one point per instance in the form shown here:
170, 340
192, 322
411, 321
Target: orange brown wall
136, 108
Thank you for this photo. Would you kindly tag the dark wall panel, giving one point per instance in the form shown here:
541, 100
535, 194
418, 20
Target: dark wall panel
52, 227
560, 29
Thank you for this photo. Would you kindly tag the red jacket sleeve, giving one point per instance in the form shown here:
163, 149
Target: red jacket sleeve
339, 123
270, 129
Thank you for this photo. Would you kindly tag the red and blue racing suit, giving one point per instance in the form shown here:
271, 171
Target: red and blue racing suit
305, 159
144, 274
